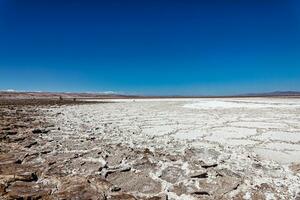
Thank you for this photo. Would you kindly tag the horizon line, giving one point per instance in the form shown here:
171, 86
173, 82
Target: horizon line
115, 93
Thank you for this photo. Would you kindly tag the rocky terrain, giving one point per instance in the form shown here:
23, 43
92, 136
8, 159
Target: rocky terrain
143, 150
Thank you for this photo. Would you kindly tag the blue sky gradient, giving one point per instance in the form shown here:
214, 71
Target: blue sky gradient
204, 47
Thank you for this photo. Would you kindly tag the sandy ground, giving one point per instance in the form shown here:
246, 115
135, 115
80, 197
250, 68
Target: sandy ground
174, 149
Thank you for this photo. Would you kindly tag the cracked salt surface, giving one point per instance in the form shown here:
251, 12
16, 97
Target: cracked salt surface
272, 131
235, 129
227, 104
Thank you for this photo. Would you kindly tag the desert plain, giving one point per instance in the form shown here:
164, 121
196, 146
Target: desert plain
158, 149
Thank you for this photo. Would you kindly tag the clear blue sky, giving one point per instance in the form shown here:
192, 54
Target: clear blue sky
150, 46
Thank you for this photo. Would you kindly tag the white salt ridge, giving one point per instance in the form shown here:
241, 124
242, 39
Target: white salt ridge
219, 104
280, 135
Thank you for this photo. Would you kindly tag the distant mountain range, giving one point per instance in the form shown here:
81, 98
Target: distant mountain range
66, 95
276, 93
107, 95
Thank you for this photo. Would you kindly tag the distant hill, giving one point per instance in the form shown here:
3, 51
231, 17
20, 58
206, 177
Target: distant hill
106, 95
52, 95
276, 93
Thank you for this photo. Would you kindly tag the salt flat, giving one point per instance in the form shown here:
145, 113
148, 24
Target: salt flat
255, 123
239, 134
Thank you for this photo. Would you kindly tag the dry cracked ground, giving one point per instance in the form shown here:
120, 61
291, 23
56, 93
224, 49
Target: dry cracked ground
151, 149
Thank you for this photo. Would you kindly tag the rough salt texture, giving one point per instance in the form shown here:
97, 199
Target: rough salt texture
191, 153
153, 150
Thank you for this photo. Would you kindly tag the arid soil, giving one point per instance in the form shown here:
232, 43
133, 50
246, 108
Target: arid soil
29, 168
84, 150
